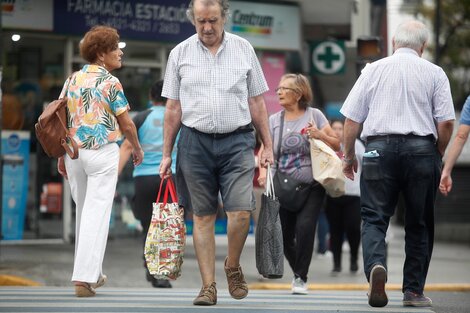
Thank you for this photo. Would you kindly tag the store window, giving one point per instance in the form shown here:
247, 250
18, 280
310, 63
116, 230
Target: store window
33, 74
142, 66
35, 67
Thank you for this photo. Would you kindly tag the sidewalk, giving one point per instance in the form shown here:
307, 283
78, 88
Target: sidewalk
51, 265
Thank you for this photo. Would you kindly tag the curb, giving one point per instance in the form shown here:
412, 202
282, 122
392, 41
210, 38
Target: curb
395, 287
11, 280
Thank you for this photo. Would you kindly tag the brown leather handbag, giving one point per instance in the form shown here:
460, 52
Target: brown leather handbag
52, 132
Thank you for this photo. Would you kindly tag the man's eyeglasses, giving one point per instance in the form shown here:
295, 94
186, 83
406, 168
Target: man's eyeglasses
284, 89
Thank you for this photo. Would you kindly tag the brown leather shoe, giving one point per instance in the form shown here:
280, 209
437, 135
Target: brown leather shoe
236, 281
207, 295
83, 289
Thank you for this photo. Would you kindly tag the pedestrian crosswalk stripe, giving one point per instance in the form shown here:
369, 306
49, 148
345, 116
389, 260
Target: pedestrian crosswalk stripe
56, 299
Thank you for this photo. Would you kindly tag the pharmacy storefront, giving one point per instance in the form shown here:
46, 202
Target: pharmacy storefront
40, 49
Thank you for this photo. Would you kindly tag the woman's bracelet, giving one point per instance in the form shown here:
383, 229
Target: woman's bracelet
349, 161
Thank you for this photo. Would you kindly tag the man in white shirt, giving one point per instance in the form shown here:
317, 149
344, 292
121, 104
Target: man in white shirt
405, 106
215, 85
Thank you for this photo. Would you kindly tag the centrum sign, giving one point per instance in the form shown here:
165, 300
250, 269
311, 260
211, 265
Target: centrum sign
266, 26
252, 23
328, 57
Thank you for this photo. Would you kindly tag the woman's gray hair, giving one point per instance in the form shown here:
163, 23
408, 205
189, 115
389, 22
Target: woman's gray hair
224, 8
411, 34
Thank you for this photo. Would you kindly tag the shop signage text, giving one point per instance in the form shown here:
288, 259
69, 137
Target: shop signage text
159, 20
252, 23
266, 26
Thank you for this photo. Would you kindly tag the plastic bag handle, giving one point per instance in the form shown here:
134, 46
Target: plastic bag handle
269, 183
169, 189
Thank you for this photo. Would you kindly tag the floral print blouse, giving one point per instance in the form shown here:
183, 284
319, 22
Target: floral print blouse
95, 99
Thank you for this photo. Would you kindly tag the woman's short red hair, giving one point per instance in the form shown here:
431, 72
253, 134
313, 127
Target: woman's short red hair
99, 39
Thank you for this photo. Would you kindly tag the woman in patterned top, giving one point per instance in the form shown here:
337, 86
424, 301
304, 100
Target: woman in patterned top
97, 118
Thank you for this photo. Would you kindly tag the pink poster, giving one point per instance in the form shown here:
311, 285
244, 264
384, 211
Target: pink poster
274, 66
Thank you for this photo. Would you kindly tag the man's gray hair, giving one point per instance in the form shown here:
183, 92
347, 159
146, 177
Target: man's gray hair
224, 8
411, 34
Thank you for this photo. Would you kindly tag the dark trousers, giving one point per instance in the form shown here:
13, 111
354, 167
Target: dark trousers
412, 166
298, 232
145, 193
344, 218
323, 229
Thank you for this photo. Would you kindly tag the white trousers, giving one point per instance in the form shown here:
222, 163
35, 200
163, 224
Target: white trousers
92, 178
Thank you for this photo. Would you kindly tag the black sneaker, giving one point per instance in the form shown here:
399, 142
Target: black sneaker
411, 298
377, 295
336, 270
158, 283
161, 283
354, 267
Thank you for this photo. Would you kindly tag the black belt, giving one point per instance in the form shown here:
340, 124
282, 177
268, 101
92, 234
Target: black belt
242, 129
398, 136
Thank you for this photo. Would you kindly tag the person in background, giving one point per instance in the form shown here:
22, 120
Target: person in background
214, 85
301, 123
344, 213
97, 118
405, 105
149, 124
12, 112
323, 230
257, 190
445, 185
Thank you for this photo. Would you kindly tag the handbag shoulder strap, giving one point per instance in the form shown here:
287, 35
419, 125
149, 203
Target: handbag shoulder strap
72, 152
281, 128
69, 79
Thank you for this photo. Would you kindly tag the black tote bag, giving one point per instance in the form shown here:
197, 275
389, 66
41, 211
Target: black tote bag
268, 237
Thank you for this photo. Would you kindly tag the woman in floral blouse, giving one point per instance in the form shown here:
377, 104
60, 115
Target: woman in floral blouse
97, 118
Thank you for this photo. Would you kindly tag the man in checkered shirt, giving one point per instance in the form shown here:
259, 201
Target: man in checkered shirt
405, 106
215, 85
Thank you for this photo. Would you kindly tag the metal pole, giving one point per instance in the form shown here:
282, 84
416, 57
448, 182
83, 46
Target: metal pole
437, 31
1, 114
67, 196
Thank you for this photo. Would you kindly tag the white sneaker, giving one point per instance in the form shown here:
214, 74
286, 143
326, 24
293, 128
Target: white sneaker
299, 287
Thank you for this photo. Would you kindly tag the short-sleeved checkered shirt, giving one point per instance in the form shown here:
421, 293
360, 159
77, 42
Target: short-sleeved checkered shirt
401, 94
214, 89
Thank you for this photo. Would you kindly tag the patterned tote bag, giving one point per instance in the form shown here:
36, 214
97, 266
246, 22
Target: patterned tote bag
164, 246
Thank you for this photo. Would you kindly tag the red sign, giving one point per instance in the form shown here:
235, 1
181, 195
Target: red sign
274, 66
